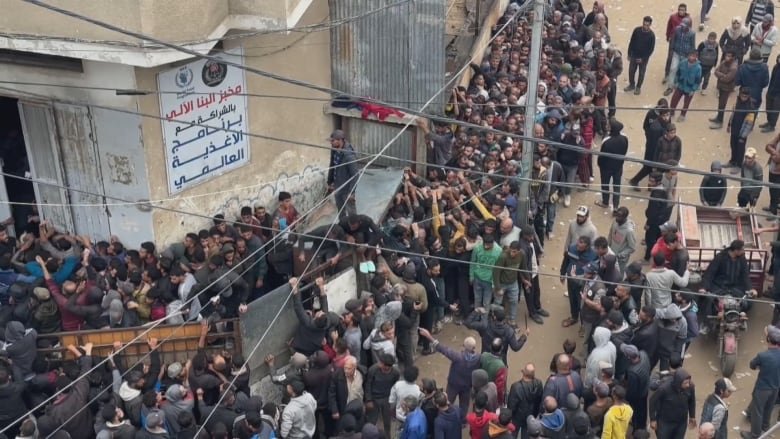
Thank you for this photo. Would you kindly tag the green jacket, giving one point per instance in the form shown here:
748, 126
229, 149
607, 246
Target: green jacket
505, 271
491, 364
483, 262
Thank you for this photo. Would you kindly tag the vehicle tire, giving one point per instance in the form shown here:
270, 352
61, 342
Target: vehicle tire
727, 364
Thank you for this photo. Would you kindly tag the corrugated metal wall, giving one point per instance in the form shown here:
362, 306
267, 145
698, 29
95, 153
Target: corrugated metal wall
396, 55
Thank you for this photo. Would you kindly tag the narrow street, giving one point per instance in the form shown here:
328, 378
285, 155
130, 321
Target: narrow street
700, 147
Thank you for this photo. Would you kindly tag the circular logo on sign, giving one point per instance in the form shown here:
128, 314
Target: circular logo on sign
184, 77
214, 73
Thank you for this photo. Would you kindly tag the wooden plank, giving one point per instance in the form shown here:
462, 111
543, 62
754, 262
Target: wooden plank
690, 226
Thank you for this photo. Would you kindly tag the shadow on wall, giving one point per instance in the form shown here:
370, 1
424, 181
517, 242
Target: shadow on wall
307, 188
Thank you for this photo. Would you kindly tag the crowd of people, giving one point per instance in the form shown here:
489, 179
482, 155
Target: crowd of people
452, 248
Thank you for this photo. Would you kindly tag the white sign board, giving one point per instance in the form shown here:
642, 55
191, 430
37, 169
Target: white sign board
213, 96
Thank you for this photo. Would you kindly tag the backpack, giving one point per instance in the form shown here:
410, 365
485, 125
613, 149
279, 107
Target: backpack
157, 311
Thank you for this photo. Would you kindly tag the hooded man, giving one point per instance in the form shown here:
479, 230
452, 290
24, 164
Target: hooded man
673, 406
637, 383
552, 419
622, 237
604, 351
753, 74
713, 186
178, 399
618, 416
481, 383
21, 348
672, 334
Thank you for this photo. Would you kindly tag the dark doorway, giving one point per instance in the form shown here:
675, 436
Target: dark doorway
13, 154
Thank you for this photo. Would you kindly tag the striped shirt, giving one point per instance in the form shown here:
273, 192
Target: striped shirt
759, 10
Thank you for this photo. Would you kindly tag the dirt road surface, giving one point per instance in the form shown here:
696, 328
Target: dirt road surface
701, 145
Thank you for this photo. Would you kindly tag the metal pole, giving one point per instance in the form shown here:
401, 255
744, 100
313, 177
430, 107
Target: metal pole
524, 202
770, 432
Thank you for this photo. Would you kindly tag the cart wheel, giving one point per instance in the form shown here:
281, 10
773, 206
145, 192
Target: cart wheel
727, 364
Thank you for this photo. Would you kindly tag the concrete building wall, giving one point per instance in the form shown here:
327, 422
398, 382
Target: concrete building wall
274, 166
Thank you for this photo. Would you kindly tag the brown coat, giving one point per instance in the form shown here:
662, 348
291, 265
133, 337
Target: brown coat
727, 76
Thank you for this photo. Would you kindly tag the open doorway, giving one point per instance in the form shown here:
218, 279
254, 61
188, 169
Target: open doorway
13, 154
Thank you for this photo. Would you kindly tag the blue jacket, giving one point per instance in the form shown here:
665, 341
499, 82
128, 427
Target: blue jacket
9, 277
447, 424
461, 365
688, 77
578, 260
767, 363
753, 74
66, 269
416, 425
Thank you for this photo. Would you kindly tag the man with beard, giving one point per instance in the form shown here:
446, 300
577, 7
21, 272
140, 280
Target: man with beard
646, 334
622, 238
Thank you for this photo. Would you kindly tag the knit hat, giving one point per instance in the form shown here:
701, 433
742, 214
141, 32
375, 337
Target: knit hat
116, 310
110, 296
755, 54
41, 293
533, 426
629, 350
174, 370
634, 268
154, 419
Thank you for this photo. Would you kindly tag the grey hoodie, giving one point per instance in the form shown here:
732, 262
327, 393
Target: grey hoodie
604, 351
576, 230
298, 418
21, 346
176, 402
480, 381
622, 239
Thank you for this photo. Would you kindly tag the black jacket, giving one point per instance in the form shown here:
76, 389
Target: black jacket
616, 144
308, 336
671, 403
489, 329
713, 190
646, 339
524, 399
658, 208
642, 44
338, 392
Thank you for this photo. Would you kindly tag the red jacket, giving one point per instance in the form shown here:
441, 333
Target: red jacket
478, 423
671, 25
70, 321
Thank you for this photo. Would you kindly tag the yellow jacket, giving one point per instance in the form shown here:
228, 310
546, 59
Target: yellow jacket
616, 422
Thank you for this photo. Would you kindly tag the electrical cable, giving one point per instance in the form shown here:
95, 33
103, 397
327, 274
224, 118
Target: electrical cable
335, 221
154, 325
303, 98
260, 95
751, 183
256, 71
521, 9
316, 27
534, 140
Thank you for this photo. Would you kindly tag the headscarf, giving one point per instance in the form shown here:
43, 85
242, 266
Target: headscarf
741, 32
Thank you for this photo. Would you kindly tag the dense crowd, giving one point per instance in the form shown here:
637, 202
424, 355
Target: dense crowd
452, 248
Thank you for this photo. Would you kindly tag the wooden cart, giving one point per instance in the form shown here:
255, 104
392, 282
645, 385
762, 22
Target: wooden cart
706, 231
